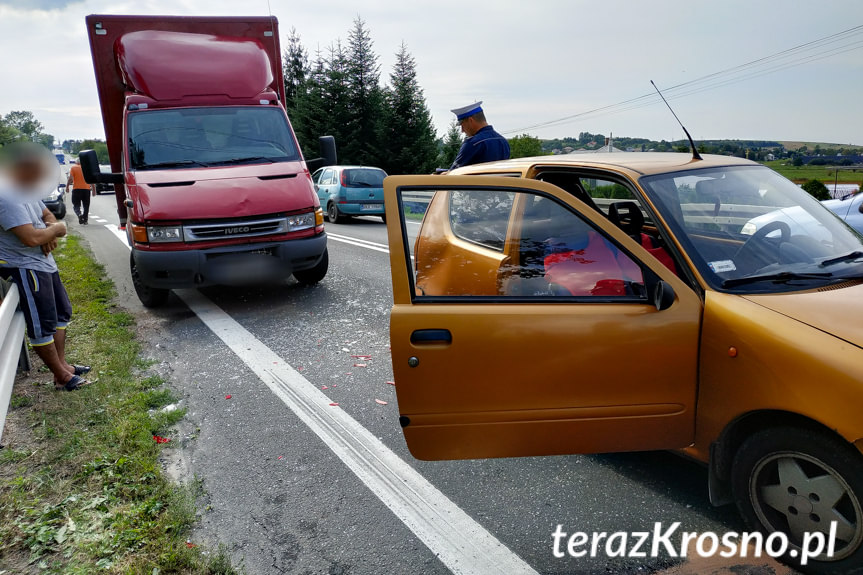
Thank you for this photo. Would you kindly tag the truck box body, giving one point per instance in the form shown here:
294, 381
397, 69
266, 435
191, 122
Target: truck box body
195, 122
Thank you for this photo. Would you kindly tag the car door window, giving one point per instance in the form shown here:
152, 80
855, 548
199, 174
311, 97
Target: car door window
316, 177
518, 244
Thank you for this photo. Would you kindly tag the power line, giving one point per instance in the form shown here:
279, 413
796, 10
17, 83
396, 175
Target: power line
799, 55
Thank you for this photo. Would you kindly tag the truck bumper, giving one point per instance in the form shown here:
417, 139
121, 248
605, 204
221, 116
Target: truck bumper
245, 264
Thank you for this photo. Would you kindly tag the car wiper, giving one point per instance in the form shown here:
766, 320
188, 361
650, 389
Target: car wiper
172, 164
249, 159
839, 259
780, 277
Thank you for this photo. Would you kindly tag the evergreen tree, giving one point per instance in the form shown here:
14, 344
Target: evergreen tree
296, 70
408, 138
365, 98
451, 145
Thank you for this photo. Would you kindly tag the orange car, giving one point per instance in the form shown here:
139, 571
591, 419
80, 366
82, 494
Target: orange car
638, 301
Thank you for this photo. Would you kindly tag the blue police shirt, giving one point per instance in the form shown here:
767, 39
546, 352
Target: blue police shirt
484, 146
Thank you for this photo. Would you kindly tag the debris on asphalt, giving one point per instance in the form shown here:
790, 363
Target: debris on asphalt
360, 365
228, 396
380, 402
361, 356
324, 387
334, 404
391, 383
160, 439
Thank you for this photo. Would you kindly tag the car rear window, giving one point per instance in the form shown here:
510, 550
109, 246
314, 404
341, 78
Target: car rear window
364, 178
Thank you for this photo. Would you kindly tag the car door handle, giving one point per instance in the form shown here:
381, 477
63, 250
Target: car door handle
431, 337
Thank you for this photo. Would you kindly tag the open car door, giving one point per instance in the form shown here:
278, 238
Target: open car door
524, 323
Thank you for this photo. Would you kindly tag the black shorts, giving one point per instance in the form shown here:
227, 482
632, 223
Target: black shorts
44, 302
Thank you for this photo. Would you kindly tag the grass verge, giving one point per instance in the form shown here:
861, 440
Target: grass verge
81, 487
825, 174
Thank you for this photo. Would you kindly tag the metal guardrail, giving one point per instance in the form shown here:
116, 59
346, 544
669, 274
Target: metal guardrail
733, 215
13, 349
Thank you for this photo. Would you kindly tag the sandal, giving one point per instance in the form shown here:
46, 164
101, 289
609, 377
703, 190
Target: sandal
82, 369
73, 384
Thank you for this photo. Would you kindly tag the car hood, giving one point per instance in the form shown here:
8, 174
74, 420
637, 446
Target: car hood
223, 192
829, 309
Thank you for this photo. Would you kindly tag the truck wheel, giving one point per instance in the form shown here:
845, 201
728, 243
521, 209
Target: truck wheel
800, 481
313, 275
149, 296
333, 214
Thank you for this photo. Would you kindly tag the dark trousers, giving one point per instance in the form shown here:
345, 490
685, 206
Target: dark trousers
81, 198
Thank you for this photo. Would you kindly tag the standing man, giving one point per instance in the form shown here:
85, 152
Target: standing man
482, 144
28, 235
81, 191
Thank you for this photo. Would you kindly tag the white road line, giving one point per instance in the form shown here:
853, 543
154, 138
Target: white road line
464, 546
120, 234
358, 242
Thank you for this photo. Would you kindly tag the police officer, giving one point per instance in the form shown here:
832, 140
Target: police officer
482, 144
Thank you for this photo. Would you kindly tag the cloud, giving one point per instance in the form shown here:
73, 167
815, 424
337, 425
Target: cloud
39, 4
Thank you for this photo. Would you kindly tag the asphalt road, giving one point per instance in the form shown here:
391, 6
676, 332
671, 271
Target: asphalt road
286, 497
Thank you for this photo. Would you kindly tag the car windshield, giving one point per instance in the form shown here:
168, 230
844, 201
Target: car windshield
200, 137
747, 228
364, 178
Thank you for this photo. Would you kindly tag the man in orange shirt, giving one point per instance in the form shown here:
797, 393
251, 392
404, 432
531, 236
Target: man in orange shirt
80, 192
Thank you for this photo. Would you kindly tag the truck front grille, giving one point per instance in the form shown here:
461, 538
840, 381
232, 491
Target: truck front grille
234, 229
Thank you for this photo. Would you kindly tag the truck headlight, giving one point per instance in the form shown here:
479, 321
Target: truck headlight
157, 234
301, 221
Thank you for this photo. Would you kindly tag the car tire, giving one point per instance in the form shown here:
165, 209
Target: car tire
314, 275
333, 214
150, 297
61, 211
796, 480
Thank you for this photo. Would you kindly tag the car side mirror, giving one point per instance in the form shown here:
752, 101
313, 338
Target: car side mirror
92, 172
663, 295
327, 145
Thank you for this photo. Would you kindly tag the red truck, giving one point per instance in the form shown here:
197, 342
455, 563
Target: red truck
204, 160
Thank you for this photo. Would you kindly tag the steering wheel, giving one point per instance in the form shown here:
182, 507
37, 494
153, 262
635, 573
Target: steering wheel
755, 242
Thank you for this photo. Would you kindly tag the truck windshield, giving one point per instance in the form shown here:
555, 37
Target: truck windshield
201, 137
749, 229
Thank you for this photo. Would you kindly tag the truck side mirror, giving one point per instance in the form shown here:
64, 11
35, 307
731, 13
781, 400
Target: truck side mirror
663, 295
327, 145
92, 172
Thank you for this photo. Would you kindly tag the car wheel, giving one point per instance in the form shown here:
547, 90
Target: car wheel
150, 297
801, 481
61, 211
333, 214
313, 275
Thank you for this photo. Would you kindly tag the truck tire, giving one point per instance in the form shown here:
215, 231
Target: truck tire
333, 214
313, 275
150, 297
798, 480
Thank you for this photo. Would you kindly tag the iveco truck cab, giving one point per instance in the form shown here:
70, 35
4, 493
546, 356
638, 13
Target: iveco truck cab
204, 162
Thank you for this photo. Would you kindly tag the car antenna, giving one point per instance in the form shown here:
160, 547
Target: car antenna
695, 155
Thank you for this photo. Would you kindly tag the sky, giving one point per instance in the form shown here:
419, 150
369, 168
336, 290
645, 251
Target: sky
529, 62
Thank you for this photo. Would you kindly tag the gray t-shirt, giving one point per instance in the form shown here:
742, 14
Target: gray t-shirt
17, 211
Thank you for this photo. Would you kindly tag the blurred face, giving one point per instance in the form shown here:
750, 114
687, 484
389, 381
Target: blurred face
29, 168
27, 174
469, 126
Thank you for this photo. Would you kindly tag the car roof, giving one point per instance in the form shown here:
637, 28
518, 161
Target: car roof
356, 168
641, 163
